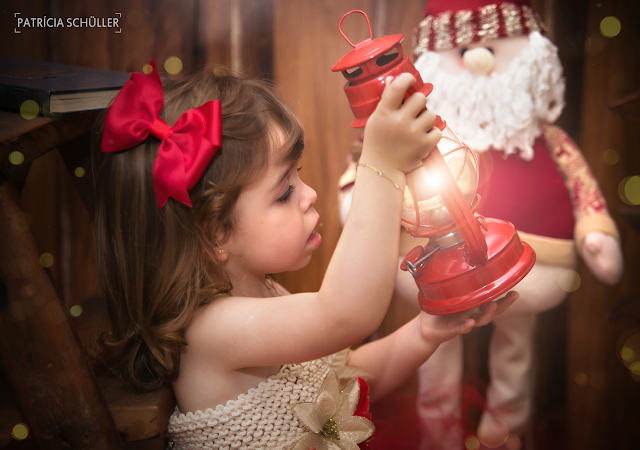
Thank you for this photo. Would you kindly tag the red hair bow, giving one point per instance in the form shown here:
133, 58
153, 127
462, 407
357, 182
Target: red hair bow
186, 148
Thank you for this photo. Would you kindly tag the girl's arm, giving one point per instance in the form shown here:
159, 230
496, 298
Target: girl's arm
358, 284
393, 359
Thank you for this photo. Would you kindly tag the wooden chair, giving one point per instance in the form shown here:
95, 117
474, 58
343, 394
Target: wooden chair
48, 384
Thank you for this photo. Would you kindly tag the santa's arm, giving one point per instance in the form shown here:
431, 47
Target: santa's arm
595, 233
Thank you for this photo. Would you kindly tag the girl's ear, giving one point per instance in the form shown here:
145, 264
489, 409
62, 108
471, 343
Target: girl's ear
222, 254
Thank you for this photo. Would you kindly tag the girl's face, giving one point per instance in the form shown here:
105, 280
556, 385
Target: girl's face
275, 222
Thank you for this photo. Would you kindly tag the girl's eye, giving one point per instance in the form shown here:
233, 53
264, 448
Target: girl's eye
285, 197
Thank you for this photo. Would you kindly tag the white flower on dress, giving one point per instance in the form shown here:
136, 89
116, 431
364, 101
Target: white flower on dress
330, 419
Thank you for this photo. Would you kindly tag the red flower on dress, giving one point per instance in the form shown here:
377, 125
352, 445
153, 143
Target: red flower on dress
362, 409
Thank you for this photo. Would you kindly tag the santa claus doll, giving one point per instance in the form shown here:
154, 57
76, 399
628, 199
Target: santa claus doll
498, 83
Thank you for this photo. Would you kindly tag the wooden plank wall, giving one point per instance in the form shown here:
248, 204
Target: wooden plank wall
601, 391
295, 43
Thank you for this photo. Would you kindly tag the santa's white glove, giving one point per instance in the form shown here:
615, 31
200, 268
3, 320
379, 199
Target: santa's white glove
603, 256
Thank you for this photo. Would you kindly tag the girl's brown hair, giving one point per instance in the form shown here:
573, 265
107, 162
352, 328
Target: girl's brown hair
157, 268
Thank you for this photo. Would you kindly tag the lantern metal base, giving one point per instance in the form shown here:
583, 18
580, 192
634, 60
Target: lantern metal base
448, 284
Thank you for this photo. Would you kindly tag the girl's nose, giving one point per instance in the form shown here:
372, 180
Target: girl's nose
479, 60
310, 197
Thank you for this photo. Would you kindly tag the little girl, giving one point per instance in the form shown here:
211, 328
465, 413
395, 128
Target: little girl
191, 218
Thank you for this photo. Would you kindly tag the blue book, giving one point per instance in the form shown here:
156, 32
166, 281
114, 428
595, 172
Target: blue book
57, 88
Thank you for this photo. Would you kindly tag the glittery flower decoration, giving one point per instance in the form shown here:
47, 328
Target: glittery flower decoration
330, 419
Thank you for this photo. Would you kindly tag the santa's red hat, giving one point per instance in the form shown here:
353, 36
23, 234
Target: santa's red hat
456, 23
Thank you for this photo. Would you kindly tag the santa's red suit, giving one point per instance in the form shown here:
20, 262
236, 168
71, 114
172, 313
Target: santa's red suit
498, 84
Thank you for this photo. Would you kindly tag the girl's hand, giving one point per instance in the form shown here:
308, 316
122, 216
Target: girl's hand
439, 329
400, 134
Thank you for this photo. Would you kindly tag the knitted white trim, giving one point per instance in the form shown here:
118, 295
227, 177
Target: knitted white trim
260, 419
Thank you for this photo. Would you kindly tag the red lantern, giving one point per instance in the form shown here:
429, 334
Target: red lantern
469, 260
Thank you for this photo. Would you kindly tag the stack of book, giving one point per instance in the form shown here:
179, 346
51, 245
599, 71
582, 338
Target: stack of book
56, 88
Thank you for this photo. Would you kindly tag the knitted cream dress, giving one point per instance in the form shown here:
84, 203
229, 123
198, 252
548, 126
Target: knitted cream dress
262, 418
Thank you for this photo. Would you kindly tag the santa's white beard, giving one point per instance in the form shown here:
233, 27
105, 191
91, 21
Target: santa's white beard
501, 110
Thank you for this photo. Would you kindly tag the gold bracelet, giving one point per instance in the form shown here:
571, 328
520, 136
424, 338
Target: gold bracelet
379, 172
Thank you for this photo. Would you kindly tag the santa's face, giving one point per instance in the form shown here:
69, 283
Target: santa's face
482, 58
496, 93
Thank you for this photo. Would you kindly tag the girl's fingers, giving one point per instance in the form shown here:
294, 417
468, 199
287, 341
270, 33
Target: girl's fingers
507, 301
394, 91
466, 327
415, 105
433, 137
427, 120
487, 314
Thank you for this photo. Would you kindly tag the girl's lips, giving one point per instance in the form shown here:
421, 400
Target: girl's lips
314, 240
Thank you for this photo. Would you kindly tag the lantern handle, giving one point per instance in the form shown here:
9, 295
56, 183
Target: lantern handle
415, 268
368, 23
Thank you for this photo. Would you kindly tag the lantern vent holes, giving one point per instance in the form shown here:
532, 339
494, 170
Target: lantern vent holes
385, 59
354, 72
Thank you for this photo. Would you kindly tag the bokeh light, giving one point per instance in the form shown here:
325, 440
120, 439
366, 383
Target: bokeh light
471, 443
621, 193
79, 172
147, 69
513, 443
220, 71
569, 281
493, 432
610, 26
29, 109
628, 350
581, 379
75, 310
16, 158
627, 354
20, 432
632, 190
195, 102
610, 156
46, 259
173, 65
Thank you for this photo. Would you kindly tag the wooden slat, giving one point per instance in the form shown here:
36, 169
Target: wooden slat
213, 42
602, 413
54, 387
153, 29
256, 38
136, 416
628, 106
34, 139
30, 42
